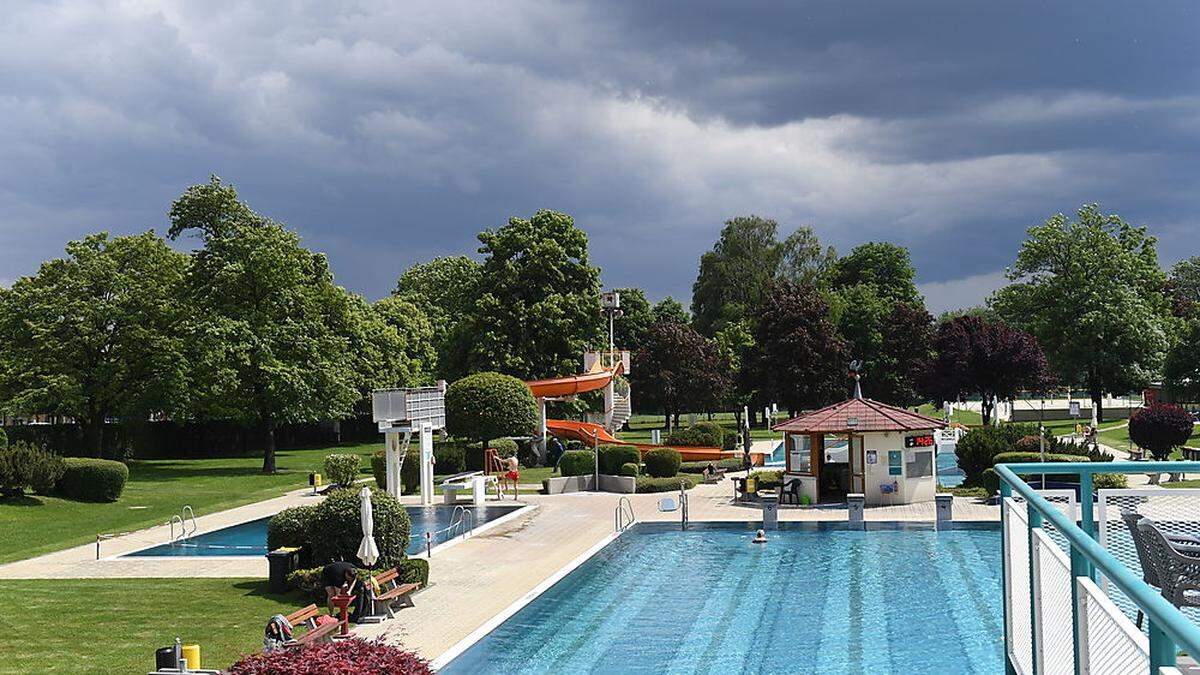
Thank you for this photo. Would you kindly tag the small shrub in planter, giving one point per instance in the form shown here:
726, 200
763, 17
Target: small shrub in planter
577, 463
612, 457
335, 530
413, 570
26, 466
662, 462
345, 657
342, 469
92, 480
290, 527
648, 484
628, 469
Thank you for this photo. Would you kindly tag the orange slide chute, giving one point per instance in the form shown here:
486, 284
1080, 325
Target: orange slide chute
574, 384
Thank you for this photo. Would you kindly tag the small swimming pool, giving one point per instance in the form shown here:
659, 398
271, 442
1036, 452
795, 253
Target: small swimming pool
250, 538
818, 598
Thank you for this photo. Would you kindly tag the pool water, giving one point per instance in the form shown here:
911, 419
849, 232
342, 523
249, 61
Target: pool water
818, 598
250, 538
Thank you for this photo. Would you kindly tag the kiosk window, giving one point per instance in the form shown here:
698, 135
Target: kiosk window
895, 458
799, 449
920, 464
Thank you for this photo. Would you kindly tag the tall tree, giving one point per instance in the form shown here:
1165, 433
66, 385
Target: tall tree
1091, 291
445, 289
392, 342
678, 370
976, 356
630, 328
1184, 286
539, 306
269, 334
736, 348
670, 310
803, 260
735, 275
1181, 370
95, 334
885, 266
802, 358
907, 349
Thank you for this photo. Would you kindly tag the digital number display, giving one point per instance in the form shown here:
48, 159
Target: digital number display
925, 441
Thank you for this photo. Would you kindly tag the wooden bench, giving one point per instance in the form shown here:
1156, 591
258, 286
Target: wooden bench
714, 477
308, 617
392, 593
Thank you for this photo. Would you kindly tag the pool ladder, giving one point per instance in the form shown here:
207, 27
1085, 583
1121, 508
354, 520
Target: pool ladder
623, 515
186, 515
462, 521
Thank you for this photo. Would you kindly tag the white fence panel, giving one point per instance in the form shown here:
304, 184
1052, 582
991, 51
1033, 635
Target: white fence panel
1055, 637
1016, 570
1109, 642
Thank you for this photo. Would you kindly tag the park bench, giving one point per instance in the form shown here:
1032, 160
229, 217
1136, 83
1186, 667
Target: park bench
714, 476
314, 634
391, 592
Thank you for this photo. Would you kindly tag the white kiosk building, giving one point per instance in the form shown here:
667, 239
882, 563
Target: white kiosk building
862, 446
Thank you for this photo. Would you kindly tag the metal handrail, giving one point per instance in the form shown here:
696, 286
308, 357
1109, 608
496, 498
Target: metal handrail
187, 514
1166, 621
623, 516
683, 505
181, 528
458, 521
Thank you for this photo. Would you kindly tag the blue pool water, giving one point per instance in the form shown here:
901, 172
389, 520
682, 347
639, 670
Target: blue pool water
818, 598
251, 538
949, 475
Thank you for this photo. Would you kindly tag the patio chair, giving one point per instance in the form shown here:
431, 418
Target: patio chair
789, 491
1178, 572
1141, 542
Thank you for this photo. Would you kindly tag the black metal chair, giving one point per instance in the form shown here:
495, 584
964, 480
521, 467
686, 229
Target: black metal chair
789, 491
1146, 537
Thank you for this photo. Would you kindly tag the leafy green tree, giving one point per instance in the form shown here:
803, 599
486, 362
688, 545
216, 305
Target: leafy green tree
486, 406
737, 273
630, 328
1184, 285
392, 344
906, 351
269, 335
885, 266
803, 358
736, 349
1091, 291
539, 306
95, 335
670, 310
1181, 371
445, 289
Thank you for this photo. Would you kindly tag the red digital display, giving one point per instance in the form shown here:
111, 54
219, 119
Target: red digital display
925, 441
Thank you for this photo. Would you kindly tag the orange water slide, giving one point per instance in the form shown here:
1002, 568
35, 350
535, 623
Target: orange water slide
573, 384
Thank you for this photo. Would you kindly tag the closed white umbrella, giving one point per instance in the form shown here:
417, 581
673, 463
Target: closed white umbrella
368, 553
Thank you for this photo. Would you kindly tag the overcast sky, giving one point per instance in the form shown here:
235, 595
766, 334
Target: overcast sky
387, 133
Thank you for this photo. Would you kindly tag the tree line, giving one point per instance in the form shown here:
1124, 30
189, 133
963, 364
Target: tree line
249, 326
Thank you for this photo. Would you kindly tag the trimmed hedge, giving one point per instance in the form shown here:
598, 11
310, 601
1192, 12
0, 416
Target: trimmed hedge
612, 457
629, 469
662, 462
342, 469
92, 480
978, 448
767, 480
1022, 457
699, 467
648, 484
290, 527
335, 530
413, 571
379, 468
23, 465
577, 463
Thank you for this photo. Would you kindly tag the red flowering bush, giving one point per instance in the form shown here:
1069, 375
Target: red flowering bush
1159, 428
344, 657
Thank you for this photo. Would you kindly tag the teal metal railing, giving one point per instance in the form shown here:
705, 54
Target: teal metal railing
1168, 629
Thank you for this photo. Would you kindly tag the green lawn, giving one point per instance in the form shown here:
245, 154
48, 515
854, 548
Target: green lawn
114, 625
967, 417
157, 489
640, 426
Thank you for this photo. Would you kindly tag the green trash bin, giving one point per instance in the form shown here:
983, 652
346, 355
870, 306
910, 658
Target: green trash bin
282, 562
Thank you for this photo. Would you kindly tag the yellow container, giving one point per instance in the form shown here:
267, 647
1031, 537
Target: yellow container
191, 655
316, 480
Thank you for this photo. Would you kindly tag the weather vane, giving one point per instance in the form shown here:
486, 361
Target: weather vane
856, 370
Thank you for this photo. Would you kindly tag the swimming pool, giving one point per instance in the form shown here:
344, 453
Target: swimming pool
250, 538
817, 598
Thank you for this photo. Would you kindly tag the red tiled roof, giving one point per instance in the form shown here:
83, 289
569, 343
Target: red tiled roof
859, 414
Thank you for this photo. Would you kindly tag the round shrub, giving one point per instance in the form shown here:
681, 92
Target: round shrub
410, 470
346, 657
577, 463
335, 530
612, 457
451, 457
92, 480
648, 484
27, 466
662, 462
341, 469
379, 468
690, 437
628, 469
413, 571
489, 405
1160, 428
504, 447
290, 527
711, 433
990, 481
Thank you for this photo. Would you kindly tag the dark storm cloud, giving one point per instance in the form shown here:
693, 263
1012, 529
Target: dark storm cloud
388, 133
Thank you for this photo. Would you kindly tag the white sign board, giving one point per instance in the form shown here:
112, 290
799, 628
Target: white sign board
410, 407
1074, 408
